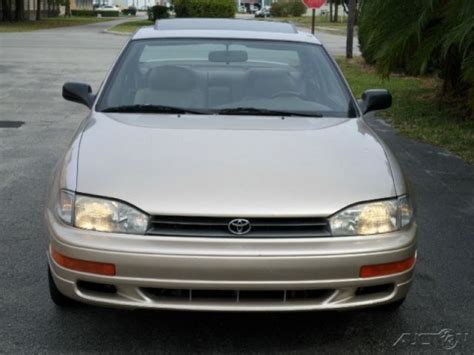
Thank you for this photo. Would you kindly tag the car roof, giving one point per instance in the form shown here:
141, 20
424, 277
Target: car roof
225, 24
224, 28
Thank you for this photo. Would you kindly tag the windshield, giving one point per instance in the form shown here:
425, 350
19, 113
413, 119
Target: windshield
226, 76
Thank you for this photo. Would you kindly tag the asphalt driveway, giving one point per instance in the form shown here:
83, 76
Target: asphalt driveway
33, 67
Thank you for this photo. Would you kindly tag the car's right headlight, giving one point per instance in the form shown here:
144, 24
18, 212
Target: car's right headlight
100, 214
372, 217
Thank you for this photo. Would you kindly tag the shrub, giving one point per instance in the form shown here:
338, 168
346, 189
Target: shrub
205, 8
285, 8
422, 36
297, 8
279, 10
180, 8
83, 13
130, 11
156, 12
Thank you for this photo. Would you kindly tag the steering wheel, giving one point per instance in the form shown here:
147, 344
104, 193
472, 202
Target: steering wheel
287, 93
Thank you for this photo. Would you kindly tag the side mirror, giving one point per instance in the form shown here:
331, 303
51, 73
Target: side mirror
78, 92
375, 99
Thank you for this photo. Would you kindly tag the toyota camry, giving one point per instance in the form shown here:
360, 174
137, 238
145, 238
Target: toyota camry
225, 165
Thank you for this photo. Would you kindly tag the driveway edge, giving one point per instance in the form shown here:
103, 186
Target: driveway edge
117, 33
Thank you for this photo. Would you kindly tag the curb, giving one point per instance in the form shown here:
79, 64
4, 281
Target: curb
117, 33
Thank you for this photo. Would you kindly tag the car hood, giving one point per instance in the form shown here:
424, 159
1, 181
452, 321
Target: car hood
232, 165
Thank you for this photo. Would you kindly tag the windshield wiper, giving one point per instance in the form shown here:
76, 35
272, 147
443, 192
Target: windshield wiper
153, 109
264, 112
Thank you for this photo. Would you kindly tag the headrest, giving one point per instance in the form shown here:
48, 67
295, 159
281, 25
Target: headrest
269, 81
168, 77
269, 73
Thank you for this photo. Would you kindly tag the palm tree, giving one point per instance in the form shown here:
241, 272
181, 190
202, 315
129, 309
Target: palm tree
421, 36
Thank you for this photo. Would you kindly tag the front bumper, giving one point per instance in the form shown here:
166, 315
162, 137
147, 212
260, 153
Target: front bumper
231, 274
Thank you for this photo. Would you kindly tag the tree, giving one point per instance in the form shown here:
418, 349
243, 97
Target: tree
422, 36
38, 10
345, 5
67, 10
6, 12
331, 5
19, 10
352, 9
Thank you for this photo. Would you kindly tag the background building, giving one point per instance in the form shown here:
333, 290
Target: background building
81, 4
324, 10
29, 8
139, 4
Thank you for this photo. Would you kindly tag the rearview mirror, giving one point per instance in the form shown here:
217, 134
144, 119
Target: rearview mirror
375, 99
78, 92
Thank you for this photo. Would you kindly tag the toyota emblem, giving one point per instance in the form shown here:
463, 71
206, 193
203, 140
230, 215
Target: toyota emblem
239, 226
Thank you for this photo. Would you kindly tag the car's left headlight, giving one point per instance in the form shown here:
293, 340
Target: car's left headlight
372, 217
100, 214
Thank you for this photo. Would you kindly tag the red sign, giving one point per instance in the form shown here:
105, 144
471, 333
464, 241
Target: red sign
314, 4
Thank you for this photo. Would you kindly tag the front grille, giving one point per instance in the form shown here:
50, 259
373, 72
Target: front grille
219, 227
191, 295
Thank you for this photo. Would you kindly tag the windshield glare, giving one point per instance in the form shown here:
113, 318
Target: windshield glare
209, 75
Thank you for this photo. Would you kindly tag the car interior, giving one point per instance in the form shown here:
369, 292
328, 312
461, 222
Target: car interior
227, 79
192, 87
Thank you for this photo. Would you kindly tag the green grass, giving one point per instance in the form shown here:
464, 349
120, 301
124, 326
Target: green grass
131, 26
306, 21
417, 111
50, 22
322, 22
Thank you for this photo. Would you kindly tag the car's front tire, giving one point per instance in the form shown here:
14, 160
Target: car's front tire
57, 297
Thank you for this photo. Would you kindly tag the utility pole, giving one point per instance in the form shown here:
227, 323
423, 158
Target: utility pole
331, 5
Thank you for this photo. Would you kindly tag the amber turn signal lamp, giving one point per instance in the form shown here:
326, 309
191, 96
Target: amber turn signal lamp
91, 267
387, 269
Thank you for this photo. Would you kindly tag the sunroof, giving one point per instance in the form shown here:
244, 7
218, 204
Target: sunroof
224, 25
